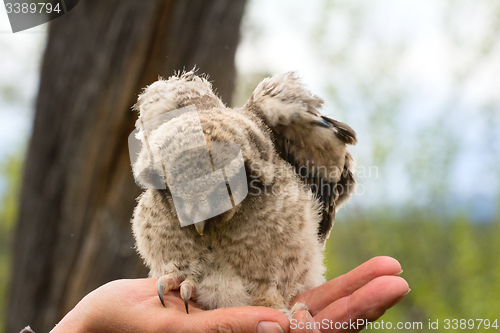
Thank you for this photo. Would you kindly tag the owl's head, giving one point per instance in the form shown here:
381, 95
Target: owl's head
205, 178
179, 91
198, 150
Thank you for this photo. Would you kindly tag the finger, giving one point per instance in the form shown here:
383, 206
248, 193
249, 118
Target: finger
368, 303
320, 297
245, 319
303, 322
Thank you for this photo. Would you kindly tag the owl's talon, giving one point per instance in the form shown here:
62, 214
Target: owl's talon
185, 297
160, 293
297, 307
165, 284
187, 288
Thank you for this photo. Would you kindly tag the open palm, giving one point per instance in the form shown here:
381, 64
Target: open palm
133, 306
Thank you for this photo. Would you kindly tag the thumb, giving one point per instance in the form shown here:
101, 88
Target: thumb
244, 319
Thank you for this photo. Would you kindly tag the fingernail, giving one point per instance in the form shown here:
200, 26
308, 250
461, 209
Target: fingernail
400, 272
400, 298
269, 327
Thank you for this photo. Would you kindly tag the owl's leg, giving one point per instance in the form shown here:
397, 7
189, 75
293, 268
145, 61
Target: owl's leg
165, 284
272, 298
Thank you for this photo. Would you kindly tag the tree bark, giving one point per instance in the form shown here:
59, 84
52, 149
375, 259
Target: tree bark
78, 194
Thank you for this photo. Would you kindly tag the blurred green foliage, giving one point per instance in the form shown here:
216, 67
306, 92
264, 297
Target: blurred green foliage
452, 264
10, 171
450, 260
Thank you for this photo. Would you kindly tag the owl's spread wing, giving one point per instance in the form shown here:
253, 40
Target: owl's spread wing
315, 145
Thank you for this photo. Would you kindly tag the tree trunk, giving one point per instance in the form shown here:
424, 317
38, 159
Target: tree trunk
78, 194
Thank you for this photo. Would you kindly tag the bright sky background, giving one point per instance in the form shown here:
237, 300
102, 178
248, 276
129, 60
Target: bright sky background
407, 49
401, 49
20, 55
19, 64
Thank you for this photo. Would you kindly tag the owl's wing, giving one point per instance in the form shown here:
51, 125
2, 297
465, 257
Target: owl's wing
315, 145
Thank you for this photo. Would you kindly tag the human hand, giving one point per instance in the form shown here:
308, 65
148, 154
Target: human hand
132, 306
365, 293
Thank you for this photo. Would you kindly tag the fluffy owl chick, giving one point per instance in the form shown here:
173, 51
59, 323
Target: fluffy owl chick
265, 246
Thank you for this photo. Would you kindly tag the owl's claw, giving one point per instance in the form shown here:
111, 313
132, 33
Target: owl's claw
297, 307
165, 284
290, 313
185, 296
187, 288
160, 293
172, 282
